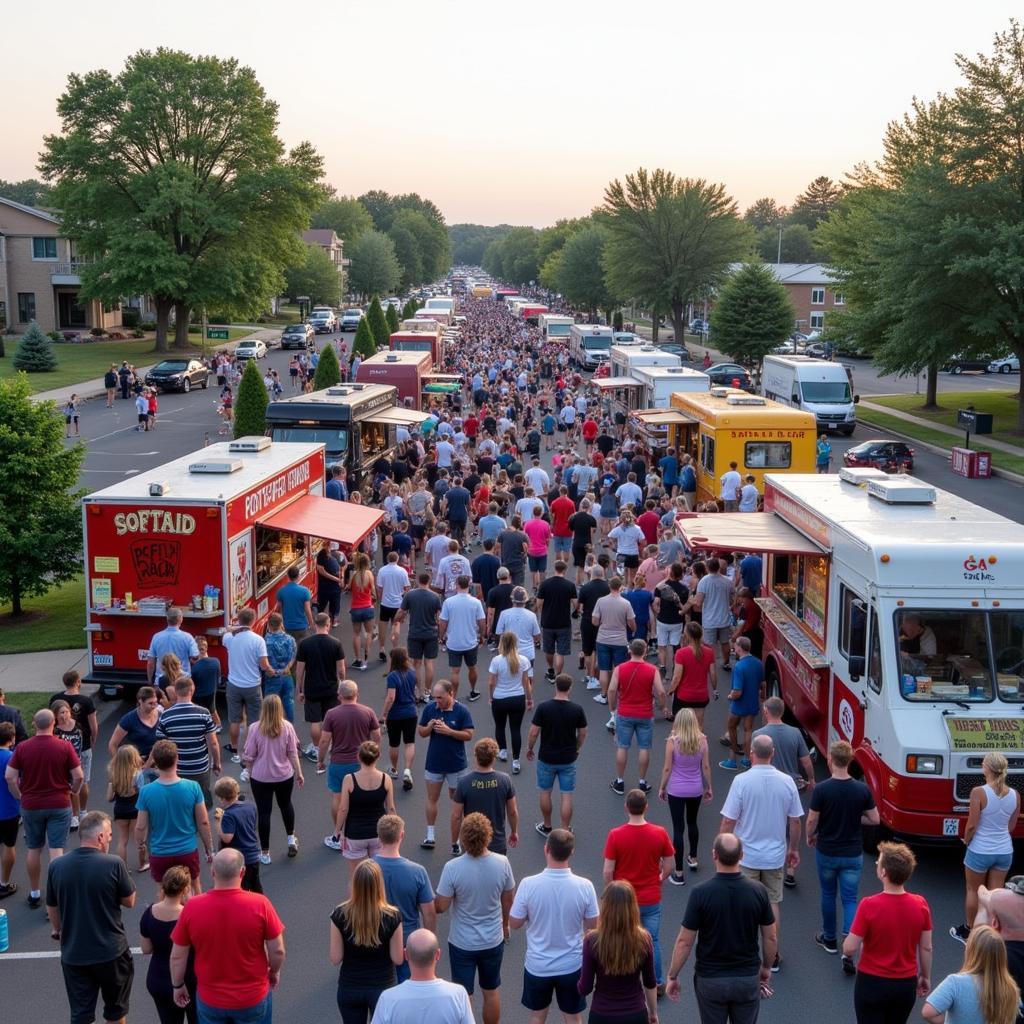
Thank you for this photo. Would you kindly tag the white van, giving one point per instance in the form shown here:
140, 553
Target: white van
818, 386
660, 383
589, 345
554, 327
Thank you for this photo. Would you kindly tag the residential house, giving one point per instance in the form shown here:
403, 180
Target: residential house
39, 275
327, 239
811, 291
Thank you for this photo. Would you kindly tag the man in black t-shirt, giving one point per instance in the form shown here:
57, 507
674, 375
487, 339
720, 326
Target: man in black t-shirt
670, 599
583, 525
319, 666
422, 606
589, 594
732, 922
83, 710
485, 571
555, 597
499, 598
328, 583
561, 726
489, 793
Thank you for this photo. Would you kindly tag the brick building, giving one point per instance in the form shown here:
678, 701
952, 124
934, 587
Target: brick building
810, 288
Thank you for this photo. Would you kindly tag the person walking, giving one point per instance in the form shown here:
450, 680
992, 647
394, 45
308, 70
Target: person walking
206, 676
319, 668
294, 605
555, 599
991, 818
361, 585
694, 678
329, 564
191, 729
138, 726
671, 599
399, 714
238, 829
406, 884
511, 696
86, 890
392, 584
461, 628
763, 809
238, 943
170, 640
618, 962
730, 920
422, 607
110, 384
686, 784
477, 887
746, 696
823, 454
839, 807
10, 815
520, 620
43, 773
713, 599
634, 687
892, 933
613, 617
643, 855
514, 545
366, 944
271, 758
282, 649
125, 779
490, 793
590, 593
366, 796
83, 711
155, 927
247, 661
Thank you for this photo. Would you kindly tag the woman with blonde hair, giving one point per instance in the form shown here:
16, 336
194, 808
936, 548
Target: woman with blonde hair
361, 587
618, 962
366, 943
271, 756
686, 784
511, 695
984, 990
991, 819
170, 672
124, 779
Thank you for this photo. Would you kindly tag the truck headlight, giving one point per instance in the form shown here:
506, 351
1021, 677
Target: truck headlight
924, 764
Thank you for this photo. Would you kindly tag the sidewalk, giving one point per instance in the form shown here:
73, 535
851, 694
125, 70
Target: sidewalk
40, 670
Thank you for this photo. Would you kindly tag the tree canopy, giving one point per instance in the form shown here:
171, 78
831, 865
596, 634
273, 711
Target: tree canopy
315, 276
513, 258
30, 192
816, 202
752, 313
468, 241
345, 215
375, 268
580, 274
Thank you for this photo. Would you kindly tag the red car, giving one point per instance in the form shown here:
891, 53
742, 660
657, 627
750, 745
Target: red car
888, 456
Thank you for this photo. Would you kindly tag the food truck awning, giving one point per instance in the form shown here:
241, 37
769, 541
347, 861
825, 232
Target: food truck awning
398, 417
745, 531
611, 383
663, 417
324, 517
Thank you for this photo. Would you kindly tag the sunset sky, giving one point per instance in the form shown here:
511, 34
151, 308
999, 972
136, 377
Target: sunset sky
522, 112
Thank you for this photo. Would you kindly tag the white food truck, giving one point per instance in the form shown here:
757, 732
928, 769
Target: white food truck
589, 345
818, 386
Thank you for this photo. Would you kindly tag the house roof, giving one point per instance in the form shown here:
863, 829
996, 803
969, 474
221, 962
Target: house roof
798, 273
33, 210
320, 236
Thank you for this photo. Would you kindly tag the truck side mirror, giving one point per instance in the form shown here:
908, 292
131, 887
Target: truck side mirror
855, 666
856, 399
796, 398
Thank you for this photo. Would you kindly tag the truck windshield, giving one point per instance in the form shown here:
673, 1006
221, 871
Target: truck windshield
335, 440
960, 655
599, 343
826, 392
406, 345
558, 330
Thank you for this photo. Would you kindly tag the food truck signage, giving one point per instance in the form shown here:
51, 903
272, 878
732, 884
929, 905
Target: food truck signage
984, 734
797, 515
976, 570
154, 520
274, 490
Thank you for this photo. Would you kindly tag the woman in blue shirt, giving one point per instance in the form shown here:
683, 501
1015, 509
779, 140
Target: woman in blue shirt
399, 713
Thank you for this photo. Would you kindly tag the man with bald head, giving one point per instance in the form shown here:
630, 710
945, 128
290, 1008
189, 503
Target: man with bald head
424, 996
42, 773
1003, 909
238, 941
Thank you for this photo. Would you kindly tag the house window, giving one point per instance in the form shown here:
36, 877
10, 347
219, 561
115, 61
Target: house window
817, 296
839, 299
817, 321
26, 307
44, 248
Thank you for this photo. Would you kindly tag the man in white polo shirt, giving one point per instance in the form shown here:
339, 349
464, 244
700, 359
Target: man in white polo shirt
247, 661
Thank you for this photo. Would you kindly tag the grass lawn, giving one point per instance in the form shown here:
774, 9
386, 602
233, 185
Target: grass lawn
29, 703
1002, 404
53, 622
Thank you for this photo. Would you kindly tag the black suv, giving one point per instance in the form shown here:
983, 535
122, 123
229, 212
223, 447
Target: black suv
178, 375
297, 336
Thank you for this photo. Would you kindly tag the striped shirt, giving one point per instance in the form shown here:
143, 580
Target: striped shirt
188, 725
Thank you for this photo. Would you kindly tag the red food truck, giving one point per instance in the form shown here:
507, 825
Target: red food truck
407, 371
420, 336
210, 533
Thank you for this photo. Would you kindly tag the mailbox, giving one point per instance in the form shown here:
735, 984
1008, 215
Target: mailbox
974, 422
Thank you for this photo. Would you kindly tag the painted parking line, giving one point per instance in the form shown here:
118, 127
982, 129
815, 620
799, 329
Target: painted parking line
51, 954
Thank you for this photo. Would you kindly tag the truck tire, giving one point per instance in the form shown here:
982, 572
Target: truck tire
956, 369
849, 433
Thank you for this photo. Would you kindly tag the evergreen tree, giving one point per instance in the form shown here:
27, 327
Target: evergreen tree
378, 325
617, 320
409, 309
364, 343
251, 404
328, 373
391, 316
753, 313
35, 353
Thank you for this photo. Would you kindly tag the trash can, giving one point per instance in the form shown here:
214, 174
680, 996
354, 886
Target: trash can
963, 462
983, 465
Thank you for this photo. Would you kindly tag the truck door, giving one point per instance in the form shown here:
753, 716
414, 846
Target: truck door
852, 683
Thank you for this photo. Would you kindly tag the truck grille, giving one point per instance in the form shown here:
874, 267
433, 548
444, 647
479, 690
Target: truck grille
966, 781
832, 417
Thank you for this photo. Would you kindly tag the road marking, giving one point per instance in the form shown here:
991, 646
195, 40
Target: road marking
51, 954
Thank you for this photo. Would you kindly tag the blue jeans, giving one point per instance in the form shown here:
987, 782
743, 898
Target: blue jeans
650, 918
842, 873
261, 1013
284, 687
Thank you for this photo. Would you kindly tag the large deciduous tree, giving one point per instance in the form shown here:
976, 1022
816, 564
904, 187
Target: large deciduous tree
315, 276
375, 268
172, 180
345, 215
580, 274
752, 314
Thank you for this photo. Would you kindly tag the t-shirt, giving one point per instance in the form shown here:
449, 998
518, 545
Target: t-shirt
524, 624
407, 885
81, 708
748, 498
239, 821
511, 542
45, 764
649, 521
761, 801
320, 654
627, 538
172, 815
327, 588
349, 725
790, 746
404, 685
445, 754
727, 913
485, 573
292, 598
731, 484
366, 965
957, 995
188, 725
228, 929
488, 793
393, 581
458, 499
555, 904
440, 1002
500, 599
890, 926
422, 606
9, 807
562, 512
540, 534
582, 525
840, 804
557, 594
612, 614
750, 572
558, 721
490, 527
688, 479
206, 677
717, 593
747, 676
590, 594
137, 733
637, 851
640, 600
462, 612
449, 569
88, 886
693, 684
636, 689
245, 651
475, 885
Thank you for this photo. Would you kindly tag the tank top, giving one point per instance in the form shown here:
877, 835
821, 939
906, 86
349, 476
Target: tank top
992, 834
362, 597
686, 778
365, 809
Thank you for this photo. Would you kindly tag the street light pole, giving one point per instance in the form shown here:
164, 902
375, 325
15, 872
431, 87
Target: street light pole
778, 258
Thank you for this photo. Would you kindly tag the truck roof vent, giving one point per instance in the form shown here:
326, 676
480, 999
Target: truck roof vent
677, 369
720, 392
390, 358
339, 392
216, 466
741, 399
249, 443
902, 490
860, 475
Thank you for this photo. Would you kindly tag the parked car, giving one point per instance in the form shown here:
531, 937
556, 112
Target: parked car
723, 375
815, 349
1007, 364
699, 326
888, 456
350, 319
297, 336
178, 375
676, 349
251, 348
958, 364
323, 321
788, 348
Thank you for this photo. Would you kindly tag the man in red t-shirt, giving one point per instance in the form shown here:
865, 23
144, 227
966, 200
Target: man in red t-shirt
589, 432
642, 854
238, 941
42, 773
562, 510
471, 427
649, 521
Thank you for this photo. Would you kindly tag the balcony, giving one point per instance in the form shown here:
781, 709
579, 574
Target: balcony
67, 273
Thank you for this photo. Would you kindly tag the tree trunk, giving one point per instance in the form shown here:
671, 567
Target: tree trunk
16, 608
679, 320
182, 311
655, 325
163, 314
931, 394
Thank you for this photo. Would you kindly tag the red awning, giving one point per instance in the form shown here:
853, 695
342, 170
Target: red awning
334, 520
745, 531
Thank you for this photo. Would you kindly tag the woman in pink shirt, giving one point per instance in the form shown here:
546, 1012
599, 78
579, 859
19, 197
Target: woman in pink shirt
539, 533
652, 573
271, 758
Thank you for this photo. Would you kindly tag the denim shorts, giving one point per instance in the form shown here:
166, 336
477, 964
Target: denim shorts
627, 728
981, 863
47, 827
565, 773
467, 963
538, 563
562, 544
336, 775
611, 655
361, 614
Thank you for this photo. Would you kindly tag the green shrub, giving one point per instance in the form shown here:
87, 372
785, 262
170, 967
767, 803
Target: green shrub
328, 373
148, 325
35, 353
97, 332
251, 404
130, 316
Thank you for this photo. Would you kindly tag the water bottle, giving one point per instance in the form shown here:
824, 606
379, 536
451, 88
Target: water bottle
908, 684
4, 935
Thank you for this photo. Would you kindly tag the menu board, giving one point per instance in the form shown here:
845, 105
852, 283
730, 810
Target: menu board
815, 594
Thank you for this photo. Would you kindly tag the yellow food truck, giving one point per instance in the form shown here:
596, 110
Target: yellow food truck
756, 433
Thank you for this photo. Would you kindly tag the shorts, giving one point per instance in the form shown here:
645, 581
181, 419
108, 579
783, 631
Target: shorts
361, 614
611, 655
467, 963
467, 658
627, 728
315, 708
388, 614
420, 647
125, 808
556, 641
982, 863
450, 779
9, 831
717, 635
330, 603
579, 555
538, 563
205, 700
86, 758
401, 730
336, 775
770, 878
160, 862
111, 979
417, 530
669, 635
588, 637
565, 773
562, 545
730, 506
202, 780
538, 992
47, 827
247, 697
360, 849
143, 417
678, 705
298, 635
631, 561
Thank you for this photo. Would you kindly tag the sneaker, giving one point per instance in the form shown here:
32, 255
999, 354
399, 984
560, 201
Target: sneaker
393, 772
502, 755
729, 765
745, 762
427, 844
542, 830
293, 846
618, 786
310, 754
382, 657
456, 850
474, 695
725, 741
33, 901
236, 758
726, 667
644, 785
74, 823
550, 675
332, 842
230, 749
593, 684
265, 857
960, 933
691, 863
516, 768
244, 775
492, 645
407, 780
600, 698
776, 964
8, 889
321, 769
848, 965
829, 945
610, 724
789, 881
677, 878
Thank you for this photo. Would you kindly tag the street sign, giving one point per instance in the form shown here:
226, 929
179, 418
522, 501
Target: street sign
217, 333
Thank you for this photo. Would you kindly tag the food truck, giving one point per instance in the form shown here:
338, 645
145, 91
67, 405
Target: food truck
756, 433
893, 618
210, 533
439, 316
412, 373
554, 327
626, 358
415, 336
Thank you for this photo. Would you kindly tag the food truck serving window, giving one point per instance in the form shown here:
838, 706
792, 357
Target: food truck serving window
707, 453
800, 582
768, 454
276, 552
960, 654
